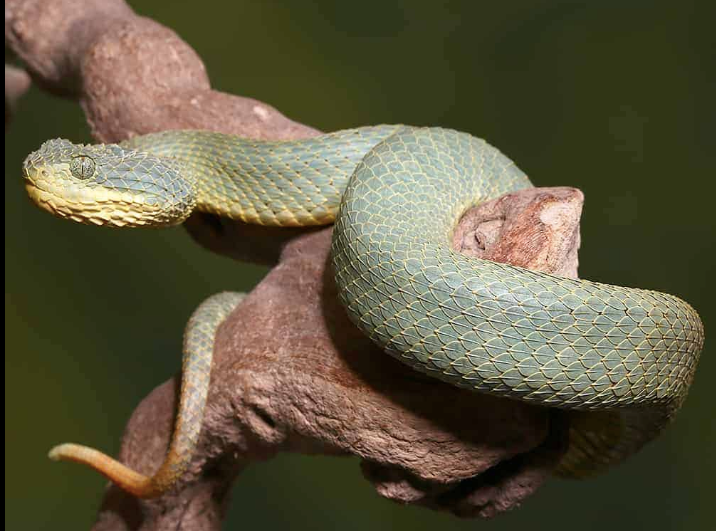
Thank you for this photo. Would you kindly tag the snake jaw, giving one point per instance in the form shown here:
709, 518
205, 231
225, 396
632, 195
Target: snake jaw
111, 208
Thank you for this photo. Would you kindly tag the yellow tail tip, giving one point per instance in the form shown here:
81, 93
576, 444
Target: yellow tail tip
59, 452
126, 478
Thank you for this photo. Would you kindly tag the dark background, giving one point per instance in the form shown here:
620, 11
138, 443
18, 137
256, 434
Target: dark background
613, 97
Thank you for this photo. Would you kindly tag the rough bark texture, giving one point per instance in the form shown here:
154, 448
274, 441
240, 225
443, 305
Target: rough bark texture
291, 373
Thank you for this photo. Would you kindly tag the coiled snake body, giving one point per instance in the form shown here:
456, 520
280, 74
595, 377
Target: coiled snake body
620, 358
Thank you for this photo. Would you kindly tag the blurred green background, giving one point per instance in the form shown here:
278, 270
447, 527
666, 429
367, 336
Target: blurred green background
613, 97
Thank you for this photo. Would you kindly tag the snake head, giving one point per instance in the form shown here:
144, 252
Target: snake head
107, 185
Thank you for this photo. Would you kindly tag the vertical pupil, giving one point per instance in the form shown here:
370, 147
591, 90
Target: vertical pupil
86, 170
82, 167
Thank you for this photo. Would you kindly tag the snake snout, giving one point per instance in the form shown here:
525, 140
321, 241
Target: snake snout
34, 174
31, 176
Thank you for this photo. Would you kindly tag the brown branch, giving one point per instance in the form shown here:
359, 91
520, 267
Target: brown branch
290, 372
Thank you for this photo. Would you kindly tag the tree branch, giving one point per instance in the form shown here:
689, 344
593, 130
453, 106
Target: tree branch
290, 372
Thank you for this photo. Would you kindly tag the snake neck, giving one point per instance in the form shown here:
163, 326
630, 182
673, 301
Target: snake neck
284, 183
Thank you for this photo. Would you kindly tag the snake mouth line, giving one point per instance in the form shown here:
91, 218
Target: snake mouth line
39, 195
113, 208
44, 198
50, 202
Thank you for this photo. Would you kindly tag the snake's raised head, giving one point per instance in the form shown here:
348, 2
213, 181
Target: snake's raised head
107, 185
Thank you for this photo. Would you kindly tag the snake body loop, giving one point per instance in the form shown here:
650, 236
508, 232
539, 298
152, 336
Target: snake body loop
620, 359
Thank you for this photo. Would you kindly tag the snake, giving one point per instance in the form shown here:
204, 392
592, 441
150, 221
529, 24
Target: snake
618, 360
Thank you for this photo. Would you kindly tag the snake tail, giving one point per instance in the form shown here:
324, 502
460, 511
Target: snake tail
196, 370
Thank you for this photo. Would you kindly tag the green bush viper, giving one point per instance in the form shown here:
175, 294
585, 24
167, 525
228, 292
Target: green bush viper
620, 359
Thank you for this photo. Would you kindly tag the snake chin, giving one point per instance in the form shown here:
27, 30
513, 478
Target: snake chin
113, 209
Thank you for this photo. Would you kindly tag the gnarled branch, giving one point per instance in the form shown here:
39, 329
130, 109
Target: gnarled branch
291, 373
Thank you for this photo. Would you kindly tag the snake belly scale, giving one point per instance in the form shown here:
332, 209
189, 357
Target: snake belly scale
619, 359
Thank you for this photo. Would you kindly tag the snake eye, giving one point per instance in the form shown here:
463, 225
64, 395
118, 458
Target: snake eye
82, 167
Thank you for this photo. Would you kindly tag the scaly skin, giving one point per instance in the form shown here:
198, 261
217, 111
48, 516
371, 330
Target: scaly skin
620, 359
